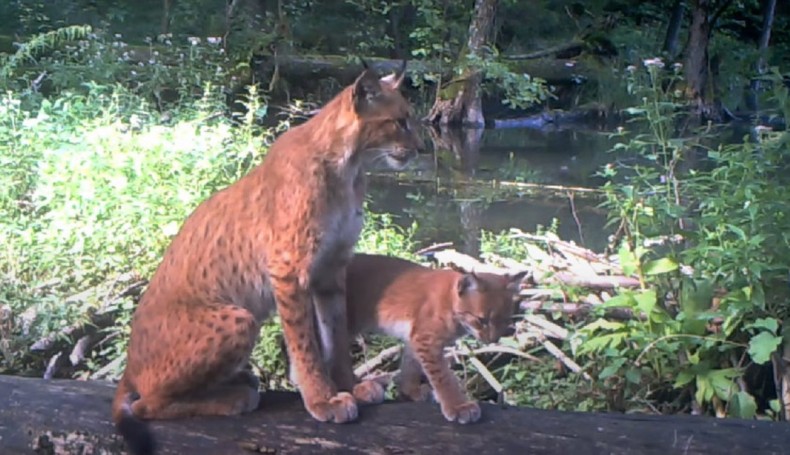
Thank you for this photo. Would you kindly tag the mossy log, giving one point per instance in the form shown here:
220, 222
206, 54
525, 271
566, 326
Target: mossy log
72, 417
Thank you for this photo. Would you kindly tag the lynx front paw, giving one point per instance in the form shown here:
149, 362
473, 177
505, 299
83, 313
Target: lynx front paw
369, 392
341, 408
463, 413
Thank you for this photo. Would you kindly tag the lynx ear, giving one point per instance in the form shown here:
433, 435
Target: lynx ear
513, 281
366, 90
394, 80
468, 283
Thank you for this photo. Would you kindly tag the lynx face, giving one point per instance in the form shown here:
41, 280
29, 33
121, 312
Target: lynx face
389, 130
486, 303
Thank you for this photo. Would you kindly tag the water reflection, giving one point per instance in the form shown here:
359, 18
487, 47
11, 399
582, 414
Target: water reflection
458, 189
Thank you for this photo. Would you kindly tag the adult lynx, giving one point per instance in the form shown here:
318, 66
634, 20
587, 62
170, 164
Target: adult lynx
279, 237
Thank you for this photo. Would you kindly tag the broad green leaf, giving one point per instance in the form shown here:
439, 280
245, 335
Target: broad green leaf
602, 324
659, 266
769, 324
633, 375
742, 405
775, 405
646, 300
762, 345
612, 369
722, 383
620, 300
628, 260
683, 378
704, 390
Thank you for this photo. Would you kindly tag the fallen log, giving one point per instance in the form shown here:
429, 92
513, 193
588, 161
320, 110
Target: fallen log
345, 69
72, 417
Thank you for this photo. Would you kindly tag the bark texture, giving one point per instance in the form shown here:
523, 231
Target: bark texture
73, 417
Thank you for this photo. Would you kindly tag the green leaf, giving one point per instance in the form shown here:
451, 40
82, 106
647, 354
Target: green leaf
742, 405
704, 390
722, 382
628, 260
683, 378
775, 405
646, 300
769, 324
612, 369
762, 345
633, 375
659, 266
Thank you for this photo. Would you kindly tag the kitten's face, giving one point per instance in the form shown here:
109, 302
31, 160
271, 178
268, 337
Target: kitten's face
486, 303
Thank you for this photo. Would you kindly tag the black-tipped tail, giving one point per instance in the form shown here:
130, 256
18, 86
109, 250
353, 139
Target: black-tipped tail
136, 433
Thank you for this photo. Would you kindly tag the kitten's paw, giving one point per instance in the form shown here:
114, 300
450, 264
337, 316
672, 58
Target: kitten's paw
341, 408
463, 413
415, 392
369, 392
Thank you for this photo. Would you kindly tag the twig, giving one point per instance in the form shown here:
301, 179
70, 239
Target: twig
550, 329
490, 349
80, 348
105, 371
374, 362
54, 364
567, 361
581, 309
434, 247
576, 217
486, 374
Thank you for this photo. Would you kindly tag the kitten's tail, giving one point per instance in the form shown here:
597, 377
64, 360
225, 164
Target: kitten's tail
134, 431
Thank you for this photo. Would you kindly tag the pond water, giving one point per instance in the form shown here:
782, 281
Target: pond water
452, 192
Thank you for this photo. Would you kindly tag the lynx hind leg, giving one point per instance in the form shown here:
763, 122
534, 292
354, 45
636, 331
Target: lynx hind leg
409, 380
456, 407
210, 378
307, 369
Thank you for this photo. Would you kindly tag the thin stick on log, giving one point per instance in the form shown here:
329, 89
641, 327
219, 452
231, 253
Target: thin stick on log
374, 362
486, 374
580, 309
105, 371
490, 349
567, 361
550, 329
434, 247
576, 217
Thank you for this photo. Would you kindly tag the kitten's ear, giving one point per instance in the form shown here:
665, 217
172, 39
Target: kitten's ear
366, 90
514, 281
468, 283
394, 80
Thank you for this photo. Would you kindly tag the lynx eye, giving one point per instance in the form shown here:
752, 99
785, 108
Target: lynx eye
403, 123
483, 321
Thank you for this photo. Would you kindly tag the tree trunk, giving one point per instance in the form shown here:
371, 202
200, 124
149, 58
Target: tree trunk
72, 417
697, 60
769, 11
460, 101
167, 6
673, 29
